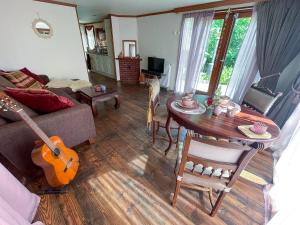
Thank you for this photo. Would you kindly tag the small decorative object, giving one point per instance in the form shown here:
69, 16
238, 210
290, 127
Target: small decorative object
259, 128
218, 110
224, 100
97, 88
129, 48
103, 87
42, 28
231, 111
210, 101
209, 111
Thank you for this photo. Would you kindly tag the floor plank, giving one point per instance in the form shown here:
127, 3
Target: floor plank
123, 179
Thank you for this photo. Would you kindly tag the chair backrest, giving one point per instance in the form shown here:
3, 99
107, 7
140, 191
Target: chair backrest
261, 99
221, 159
154, 89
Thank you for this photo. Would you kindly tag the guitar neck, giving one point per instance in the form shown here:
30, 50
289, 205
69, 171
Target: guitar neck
36, 129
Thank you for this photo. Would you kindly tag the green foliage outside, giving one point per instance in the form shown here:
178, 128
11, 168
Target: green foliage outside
235, 43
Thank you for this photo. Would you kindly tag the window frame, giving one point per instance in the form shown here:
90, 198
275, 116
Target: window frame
229, 22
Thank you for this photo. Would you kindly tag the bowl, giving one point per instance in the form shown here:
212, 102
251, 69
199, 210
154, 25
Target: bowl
187, 101
259, 128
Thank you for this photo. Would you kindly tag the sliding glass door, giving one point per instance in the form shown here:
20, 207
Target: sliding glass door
227, 34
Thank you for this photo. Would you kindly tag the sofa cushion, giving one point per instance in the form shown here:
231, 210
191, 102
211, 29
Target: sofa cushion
9, 216
41, 100
21, 80
66, 92
12, 116
2, 121
33, 75
17, 196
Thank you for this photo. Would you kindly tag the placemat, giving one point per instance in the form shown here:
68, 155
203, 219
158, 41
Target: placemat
245, 129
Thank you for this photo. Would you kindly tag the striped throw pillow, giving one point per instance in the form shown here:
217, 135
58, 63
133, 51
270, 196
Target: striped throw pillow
22, 80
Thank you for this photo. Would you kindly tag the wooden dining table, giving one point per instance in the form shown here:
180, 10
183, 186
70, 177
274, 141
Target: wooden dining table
220, 126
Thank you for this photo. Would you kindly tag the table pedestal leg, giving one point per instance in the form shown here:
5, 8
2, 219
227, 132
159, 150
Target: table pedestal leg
168, 129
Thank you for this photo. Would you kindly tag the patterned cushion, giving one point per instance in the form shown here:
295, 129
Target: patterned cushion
21, 80
33, 75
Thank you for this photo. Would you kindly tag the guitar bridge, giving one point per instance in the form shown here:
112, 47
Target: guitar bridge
68, 165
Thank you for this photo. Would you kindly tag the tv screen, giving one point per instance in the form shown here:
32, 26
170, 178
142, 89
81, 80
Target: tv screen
156, 64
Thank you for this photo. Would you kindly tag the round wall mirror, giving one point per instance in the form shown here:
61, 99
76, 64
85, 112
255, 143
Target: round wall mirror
42, 28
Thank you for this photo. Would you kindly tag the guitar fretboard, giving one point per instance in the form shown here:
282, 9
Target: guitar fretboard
36, 129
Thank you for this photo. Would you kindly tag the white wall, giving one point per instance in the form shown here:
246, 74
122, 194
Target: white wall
159, 37
123, 29
60, 57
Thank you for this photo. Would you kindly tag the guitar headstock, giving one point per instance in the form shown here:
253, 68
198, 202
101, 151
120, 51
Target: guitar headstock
8, 104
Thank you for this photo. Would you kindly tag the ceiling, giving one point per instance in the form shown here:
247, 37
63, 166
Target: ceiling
95, 10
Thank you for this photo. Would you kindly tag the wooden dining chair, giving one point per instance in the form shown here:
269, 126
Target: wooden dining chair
260, 99
158, 114
207, 164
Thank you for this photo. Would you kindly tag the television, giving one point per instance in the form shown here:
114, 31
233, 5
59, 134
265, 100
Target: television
156, 65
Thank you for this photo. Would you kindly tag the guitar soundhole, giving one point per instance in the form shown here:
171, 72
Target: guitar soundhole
68, 165
56, 152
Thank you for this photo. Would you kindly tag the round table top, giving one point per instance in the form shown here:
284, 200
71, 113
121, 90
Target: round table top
223, 126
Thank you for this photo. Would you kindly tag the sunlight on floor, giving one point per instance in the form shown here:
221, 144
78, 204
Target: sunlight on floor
253, 178
130, 199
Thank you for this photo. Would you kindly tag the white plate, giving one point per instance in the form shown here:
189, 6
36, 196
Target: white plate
200, 110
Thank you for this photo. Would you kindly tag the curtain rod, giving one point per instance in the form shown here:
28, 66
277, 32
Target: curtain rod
234, 9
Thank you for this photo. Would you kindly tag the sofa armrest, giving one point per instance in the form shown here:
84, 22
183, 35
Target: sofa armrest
45, 78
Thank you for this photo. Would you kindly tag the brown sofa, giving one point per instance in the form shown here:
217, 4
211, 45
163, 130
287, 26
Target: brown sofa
74, 125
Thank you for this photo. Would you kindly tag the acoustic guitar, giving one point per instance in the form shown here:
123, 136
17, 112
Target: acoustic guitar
59, 163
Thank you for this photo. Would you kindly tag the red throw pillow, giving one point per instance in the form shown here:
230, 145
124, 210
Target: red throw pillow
33, 75
41, 100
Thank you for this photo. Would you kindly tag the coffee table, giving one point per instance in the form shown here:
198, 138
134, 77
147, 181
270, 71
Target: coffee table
91, 97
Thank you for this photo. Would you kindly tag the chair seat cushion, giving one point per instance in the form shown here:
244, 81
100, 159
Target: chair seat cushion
161, 116
260, 99
209, 183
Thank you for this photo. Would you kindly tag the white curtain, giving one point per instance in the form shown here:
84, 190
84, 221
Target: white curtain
245, 69
284, 194
90, 37
195, 29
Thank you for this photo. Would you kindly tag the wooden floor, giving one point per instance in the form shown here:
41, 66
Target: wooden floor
123, 179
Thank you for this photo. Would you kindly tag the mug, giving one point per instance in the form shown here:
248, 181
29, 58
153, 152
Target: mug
218, 110
231, 111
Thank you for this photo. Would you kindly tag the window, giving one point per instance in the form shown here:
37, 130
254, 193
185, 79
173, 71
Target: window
90, 36
227, 33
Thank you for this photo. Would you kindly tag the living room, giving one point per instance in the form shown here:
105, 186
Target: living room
142, 112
